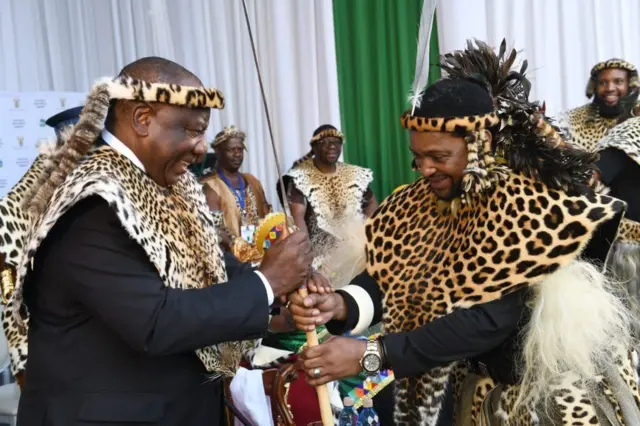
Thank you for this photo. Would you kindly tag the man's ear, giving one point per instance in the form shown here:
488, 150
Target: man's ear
141, 118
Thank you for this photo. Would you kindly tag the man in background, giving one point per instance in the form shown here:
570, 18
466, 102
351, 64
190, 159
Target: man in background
613, 85
239, 196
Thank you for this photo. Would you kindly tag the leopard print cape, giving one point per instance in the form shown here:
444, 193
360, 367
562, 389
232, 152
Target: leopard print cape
584, 127
173, 226
428, 264
334, 198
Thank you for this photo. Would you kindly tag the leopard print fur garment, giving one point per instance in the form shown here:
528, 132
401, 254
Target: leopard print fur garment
14, 220
428, 264
584, 127
625, 137
334, 198
172, 225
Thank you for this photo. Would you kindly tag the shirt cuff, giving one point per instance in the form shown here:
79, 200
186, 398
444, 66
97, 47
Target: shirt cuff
365, 307
267, 287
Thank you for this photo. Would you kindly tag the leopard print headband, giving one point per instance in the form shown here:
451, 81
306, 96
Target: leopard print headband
92, 122
127, 88
328, 133
634, 83
482, 169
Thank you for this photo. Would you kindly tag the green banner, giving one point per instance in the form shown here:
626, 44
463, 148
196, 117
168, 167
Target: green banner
376, 52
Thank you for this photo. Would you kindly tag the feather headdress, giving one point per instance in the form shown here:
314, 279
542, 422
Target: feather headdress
524, 140
527, 139
421, 76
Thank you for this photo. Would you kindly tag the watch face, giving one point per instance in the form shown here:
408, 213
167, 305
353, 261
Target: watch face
371, 362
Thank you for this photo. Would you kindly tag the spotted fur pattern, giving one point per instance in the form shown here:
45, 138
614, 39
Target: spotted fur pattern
128, 88
629, 231
333, 197
625, 137
14, 220
428, 264
329, 133
173, 226
462, 124
584, 127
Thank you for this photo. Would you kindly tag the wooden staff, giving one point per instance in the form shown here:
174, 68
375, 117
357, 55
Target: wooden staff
312, 336
326, 413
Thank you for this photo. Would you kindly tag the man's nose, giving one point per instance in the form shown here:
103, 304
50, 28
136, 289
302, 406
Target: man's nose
427, 170
201, 147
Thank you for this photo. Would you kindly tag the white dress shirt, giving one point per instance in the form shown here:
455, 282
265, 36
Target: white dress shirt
121, 148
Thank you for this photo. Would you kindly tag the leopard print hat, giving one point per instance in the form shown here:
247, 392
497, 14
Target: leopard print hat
482, 91
614, 63
92, 121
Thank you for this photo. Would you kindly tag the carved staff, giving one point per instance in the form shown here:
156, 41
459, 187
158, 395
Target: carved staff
312, 336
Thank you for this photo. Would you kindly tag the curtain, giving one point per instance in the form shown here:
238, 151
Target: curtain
561, 39
65, 45
376, 51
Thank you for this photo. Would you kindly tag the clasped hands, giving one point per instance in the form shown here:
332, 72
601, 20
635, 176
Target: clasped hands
286, 265
336, 358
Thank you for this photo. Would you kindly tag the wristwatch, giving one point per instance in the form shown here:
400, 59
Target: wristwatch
371, 361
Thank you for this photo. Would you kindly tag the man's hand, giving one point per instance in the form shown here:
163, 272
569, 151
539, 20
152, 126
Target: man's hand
319, 284
316, 309
287, 263
337, 358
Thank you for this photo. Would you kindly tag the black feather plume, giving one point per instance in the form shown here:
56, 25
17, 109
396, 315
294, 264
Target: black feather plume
540, 155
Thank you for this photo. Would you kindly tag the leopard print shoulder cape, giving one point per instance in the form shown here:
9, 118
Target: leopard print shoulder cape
428, 264
173, 226
335, 199
584, 127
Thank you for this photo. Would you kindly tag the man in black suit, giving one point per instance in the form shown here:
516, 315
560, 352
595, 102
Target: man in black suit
121, 332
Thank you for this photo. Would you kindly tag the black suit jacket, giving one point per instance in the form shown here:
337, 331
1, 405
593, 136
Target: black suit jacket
110, 344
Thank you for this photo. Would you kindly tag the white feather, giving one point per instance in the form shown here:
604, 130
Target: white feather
421, 76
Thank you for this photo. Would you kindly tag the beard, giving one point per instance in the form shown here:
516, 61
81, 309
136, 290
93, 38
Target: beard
606, 110
623, 107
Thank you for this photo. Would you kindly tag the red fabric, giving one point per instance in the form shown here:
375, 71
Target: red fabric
303, 401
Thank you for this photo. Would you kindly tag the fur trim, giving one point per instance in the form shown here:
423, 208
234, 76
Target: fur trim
329, 133
71, 151
127, 88
580, 338
307, 156
451, 124
347, 259
84, 134
229, 132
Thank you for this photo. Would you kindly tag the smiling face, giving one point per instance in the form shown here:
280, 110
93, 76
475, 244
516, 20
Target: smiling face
327, 150
442, 158
170, 139
612, 84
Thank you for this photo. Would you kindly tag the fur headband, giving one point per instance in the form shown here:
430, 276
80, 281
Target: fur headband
92, 121
611, 64
328, 133
229, 132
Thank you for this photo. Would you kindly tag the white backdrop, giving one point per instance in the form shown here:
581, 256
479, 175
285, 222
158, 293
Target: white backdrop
23, 129
64, 45
562, 39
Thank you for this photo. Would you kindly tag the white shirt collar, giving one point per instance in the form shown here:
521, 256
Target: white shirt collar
120, 147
